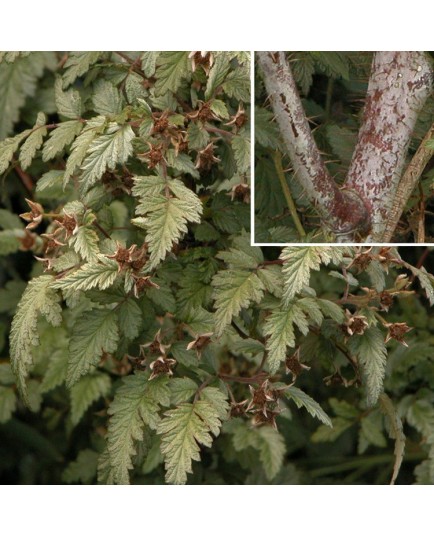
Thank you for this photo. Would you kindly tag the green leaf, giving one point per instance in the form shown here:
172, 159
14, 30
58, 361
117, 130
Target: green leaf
83, 469
149, 63
60, 138
303, 69
303, 400
94, 332
55, 374
68, 103
8, 403
17, 82
106, 151
241, 148
217, 74
183, 430
81, 144
89, 276
219, 108
198, 137
9, 242
33, 142
85, 392
272, 450
334, 64
268, 441
233, 291
172, 67
396, 432
38, 298
9, 221
166, 217
181, 390
297, 265
136, 405
85, 243
279, 328
130, 318
237, 83
266, 131
77, 64
106, 99
371, 352
242, 254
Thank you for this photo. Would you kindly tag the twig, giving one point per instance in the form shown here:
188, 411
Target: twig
277, 158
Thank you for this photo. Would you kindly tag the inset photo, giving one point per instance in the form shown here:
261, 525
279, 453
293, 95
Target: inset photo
344, 145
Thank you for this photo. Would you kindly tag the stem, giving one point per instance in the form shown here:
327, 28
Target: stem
407, 184
399, 84
343, 211
277, 158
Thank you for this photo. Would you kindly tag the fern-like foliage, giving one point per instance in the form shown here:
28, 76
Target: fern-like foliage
184, 429
39, 298
136, 405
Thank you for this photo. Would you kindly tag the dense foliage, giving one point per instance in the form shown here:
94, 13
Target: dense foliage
333, 88
143, 339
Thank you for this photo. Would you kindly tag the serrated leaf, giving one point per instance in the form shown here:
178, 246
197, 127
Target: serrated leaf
77, 64
166, 217
94, 332
100, 275
59, 138
217, 74
266, 131
38, 298
237, 83
279, 328
130, 318
55, 374
172, 67
272, 450
17, 82
83, 469
149, 63
183, 430
371, 352
297, 265
106, 98
85, 243
81, 144
241, 148
105, 152
219, 108
303, 70
218, 399
85, 392
136, 404
233, 291
303, 400
33, 142
198, 137
396, 432
68, 103
181, 390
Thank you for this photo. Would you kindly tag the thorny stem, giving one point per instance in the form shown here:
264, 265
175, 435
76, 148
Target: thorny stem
399, 84
342, 211
407, 184
277, 158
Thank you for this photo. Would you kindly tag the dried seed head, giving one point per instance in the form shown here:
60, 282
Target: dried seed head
199, 343
34, 217
386, 300
397, 331
206, 158
162, 366
355, 324
293, 365
238, 408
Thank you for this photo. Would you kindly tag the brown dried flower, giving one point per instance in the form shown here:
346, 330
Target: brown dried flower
203, 59
355, 324
34, 217
162, 366
293, 365
199, 343
397, 330
206, 158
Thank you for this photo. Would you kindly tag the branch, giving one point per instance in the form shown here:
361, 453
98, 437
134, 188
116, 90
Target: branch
341, 210
399, 85
407, 184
